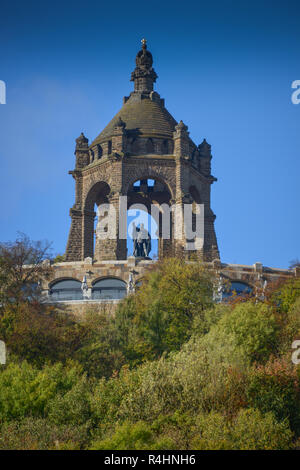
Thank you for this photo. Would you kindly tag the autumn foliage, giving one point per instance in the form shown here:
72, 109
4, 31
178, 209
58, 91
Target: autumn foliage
170, 370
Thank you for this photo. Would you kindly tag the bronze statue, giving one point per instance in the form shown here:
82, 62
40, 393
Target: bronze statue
141, 242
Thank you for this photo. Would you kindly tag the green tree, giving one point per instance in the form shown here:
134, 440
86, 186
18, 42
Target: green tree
133, 436
58, 258
21, 267
100, 352
27, 391
164, 309
274, 387
284, 295
250, 430
248, 333
40, 333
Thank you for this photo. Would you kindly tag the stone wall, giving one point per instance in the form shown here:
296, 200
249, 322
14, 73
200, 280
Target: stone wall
254, 276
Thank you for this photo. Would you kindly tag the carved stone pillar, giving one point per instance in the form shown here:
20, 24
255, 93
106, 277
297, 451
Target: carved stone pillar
74, 251
119, 137
181, 140
109, 245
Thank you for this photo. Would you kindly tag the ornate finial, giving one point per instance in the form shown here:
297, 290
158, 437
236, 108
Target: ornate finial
143, 75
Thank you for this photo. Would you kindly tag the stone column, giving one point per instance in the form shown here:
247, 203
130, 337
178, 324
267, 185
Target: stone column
166, 245
74, 250
111, 248
88, 234
181, 140
181, 151
210, 247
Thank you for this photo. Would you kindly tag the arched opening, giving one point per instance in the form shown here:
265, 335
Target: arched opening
66, 289
238, 288
109, 289
149, 209
138, 220
95, 203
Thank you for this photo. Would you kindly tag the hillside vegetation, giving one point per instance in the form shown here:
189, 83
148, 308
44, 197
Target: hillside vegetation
170, 370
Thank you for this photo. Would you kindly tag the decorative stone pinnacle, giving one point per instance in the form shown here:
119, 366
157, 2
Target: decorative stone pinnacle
204, 149
144, 75
204, 145
181, 126
81, 140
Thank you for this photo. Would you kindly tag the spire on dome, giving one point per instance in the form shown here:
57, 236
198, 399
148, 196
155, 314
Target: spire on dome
143, 76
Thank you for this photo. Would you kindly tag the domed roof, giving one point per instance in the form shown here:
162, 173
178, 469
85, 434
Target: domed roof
143, 113
141, 117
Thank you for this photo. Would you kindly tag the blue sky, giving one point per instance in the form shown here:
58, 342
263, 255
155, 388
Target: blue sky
225, 68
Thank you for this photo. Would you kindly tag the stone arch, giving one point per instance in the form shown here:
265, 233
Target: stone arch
108, 276
60, 279
98, 194
160, 196
112, 288
150, 174
66, 288
241, 287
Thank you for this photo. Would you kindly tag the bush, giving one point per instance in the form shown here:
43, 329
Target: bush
285, 295
162, 312
133, 436
72, 407
250, 430
248, 333
100, 352
169, 370
275, 387
26, 391
40, 434
39, 333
